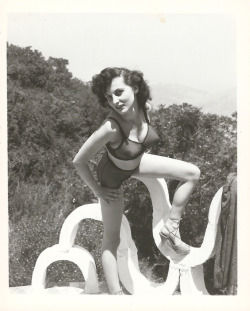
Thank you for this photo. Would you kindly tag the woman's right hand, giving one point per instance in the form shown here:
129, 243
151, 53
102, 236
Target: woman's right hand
107, 194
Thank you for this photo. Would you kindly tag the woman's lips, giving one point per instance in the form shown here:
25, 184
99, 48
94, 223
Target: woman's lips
119, 107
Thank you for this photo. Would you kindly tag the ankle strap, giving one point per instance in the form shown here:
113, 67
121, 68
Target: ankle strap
175, 220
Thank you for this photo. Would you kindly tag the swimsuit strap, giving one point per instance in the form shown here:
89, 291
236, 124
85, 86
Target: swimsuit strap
146, 115
121, 130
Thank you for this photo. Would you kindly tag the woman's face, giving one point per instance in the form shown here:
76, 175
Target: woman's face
120, 96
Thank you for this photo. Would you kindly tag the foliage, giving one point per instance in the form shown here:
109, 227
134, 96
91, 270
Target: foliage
50, 115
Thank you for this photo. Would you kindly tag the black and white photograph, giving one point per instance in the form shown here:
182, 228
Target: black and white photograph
122, 155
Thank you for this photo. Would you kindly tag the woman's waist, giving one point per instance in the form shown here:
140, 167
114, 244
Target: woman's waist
126, 165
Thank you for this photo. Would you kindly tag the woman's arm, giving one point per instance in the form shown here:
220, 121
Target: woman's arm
94, 143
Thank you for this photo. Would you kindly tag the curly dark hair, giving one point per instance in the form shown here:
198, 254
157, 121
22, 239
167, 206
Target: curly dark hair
133, 78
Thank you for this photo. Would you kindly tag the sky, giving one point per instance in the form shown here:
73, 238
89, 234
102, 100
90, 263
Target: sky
194, 50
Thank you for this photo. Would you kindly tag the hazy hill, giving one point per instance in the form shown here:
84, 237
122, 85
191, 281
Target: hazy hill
222, 103
50, 116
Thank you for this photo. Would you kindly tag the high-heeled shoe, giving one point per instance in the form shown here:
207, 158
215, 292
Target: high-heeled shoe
169, 238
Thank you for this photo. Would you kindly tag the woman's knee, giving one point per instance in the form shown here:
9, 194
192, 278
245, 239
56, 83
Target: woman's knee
194, 173
110, 243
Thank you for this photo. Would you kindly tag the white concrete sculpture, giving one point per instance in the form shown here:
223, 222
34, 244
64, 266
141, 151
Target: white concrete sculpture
188, 273
76, 254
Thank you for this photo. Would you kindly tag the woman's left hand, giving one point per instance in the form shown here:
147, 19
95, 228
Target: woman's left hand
107, 194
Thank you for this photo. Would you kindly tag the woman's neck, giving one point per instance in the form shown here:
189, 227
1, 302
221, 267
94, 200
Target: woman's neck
134, 116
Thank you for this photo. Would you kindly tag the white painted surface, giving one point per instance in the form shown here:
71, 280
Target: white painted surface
188, 271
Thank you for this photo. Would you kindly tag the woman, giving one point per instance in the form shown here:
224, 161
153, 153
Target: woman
127, 134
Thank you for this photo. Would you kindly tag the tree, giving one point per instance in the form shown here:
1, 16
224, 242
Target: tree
50, 115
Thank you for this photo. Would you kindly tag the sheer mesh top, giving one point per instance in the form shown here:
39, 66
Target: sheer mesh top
129, 149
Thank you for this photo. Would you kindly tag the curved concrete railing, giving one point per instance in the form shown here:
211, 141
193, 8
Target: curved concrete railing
76, 254
161, 208
70, 225
188, 271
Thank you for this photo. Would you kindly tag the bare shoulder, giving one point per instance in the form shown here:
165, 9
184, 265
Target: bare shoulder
108, 131
111, 124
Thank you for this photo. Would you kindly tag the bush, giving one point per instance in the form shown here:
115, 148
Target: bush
50, 115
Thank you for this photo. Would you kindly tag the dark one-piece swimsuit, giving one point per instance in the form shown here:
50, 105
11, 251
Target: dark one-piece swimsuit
111, 176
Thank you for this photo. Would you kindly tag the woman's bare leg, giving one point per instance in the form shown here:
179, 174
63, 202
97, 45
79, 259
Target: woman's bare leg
162, 167
112, 217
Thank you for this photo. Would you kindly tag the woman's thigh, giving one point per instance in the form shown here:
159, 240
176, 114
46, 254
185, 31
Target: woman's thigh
109, 175
162, 167
112, 217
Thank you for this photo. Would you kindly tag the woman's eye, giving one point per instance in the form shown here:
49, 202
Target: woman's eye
118, 92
